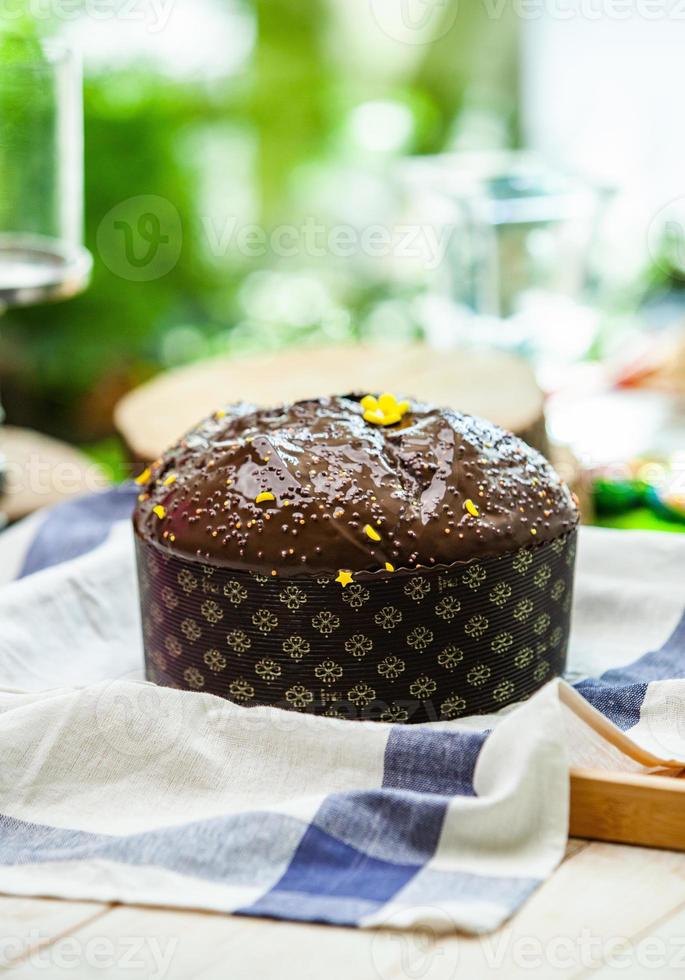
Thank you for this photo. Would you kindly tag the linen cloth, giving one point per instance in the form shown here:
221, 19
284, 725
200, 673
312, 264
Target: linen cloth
114, 789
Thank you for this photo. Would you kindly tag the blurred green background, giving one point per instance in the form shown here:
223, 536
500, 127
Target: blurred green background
255, 111
225, 140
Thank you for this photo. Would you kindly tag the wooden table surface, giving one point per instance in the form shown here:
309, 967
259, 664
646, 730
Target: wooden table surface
608, 909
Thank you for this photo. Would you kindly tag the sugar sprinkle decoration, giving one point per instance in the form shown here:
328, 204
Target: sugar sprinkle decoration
371, 532
471, 508
144, 476
384, 410
389, 567
262, 497
344, 577
159, 511
170, 479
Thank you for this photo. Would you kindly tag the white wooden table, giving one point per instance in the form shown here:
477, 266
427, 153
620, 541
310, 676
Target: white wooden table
608, 909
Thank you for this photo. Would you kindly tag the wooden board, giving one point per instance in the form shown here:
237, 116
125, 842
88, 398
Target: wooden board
629, 808
633, 807
495, 385
41, 471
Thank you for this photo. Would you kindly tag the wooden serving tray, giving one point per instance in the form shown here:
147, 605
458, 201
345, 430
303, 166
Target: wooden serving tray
646, 808
629, 808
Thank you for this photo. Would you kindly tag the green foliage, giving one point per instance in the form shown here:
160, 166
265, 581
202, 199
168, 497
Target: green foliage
134, 121
148, 134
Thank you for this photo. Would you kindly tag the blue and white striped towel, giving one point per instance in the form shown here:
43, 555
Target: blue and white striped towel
113, 789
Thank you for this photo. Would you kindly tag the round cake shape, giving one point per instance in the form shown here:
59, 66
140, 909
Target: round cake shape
358, 556
295, 489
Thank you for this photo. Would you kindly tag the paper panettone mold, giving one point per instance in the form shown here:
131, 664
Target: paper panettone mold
419, 646
364, 558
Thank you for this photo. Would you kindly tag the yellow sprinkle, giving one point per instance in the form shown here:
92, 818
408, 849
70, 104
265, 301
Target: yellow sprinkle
471, 508
533, 530
172, 537
344, 577
384, 410
371, 532
170, 479
389, 567
263, 497
144, 476
159, 511
219, 414
378, 417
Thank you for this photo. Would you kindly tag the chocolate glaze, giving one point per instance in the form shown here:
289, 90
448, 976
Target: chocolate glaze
332, 474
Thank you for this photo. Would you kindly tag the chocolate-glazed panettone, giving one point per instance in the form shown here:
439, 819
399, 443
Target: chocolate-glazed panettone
355, 556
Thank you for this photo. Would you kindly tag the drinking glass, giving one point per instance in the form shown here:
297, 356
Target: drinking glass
42, 256
41, 173
518, 265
